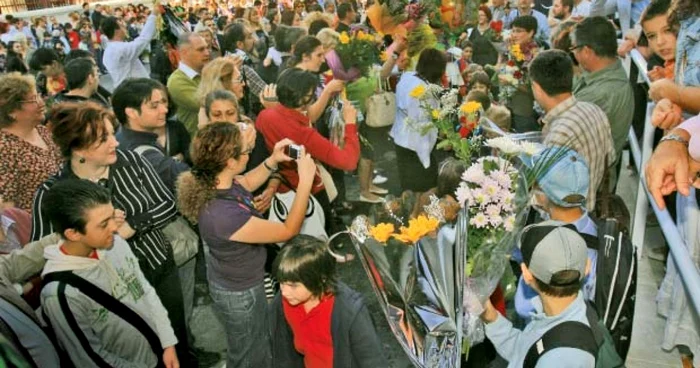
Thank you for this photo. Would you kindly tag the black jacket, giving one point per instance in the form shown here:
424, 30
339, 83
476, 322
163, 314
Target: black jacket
168, 168
355, 342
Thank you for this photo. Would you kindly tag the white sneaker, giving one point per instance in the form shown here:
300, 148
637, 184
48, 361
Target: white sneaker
378, 179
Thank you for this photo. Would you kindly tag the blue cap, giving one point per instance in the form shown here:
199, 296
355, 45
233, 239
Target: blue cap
565, 182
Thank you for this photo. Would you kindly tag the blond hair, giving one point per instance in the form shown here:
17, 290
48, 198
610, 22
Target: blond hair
329, 38
213, 75
14, 88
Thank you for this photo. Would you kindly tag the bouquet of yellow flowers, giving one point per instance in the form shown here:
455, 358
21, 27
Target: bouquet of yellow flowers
358, 51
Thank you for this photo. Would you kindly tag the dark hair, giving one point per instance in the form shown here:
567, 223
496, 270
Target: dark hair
481, 98
234, 33
304, 47
288, 17
486, 11
42, 57
221, 23
526, 22
553, 71
467, 43
563, 284
220, 95
77, 72
293, 85
314, 8
67, 203
306, 260
654, 9
271, 14
569, 4
431, 65
683, 9
449, 176
598, 34
343, 10
78, 54
479, 77
78, 125
109, 26
316, 26
133, 93
289, 37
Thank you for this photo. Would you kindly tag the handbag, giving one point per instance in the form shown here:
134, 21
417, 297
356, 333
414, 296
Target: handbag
381, 107
315, 220
182, 238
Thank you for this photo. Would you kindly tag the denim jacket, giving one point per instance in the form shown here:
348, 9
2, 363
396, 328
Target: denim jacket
688, 53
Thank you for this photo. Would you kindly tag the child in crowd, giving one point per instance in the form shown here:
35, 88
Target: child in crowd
315, 320
466, 59
661, 37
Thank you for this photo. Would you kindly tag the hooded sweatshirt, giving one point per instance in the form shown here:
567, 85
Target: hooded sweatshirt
115, 271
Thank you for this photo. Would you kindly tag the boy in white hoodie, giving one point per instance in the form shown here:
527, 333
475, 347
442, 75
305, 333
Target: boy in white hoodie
90, 332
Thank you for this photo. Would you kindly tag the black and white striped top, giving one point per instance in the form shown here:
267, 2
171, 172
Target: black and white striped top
139, 192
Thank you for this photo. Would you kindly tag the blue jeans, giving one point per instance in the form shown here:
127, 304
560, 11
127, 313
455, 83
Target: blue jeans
244, 315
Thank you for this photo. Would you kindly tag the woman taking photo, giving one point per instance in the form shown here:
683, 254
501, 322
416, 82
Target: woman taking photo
84, 132
28, 155
415, 151
290, 119
219, 199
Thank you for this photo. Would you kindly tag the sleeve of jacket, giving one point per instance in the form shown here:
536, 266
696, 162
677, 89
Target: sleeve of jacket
69, 340
164, 209
134, 48
322, 149
183, 92
503, 335
21, 264
168, 169
365, 344
41, 226
158, 313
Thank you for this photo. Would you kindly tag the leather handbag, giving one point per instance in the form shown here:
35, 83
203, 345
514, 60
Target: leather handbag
381, 107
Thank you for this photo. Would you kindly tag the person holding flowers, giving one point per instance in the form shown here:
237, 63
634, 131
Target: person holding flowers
482, 37
414, 150
515, 91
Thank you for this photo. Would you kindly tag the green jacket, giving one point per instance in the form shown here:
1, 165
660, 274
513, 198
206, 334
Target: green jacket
183, 91
610, 89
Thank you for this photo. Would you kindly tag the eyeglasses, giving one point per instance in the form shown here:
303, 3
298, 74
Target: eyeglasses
574, 48
36, 99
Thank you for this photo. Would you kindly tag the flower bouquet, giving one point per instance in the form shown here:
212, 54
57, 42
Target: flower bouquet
417, 273
358, 51
497, 36
512, 74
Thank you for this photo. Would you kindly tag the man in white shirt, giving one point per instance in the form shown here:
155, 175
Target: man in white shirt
121, 58
525, 7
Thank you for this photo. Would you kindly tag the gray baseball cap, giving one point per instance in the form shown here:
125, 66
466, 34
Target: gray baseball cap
551, 247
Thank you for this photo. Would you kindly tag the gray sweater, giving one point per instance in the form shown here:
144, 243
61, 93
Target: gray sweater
116, 341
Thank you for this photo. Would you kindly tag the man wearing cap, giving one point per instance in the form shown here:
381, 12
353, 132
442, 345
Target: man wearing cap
560, 195
581, 126
555, 263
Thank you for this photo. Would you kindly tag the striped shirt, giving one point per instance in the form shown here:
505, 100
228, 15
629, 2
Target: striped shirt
583, 127
139, 192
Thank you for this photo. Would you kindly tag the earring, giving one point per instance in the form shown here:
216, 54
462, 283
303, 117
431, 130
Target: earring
82, 160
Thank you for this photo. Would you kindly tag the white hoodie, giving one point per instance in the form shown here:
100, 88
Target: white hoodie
116, 271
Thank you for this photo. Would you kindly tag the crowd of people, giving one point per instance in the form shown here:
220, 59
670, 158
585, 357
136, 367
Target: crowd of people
203, 134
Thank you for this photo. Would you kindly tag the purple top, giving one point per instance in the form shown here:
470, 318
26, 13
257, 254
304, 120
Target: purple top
232, 265
336, 65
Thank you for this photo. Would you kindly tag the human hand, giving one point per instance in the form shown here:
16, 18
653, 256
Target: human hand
666, 115
126, 231
119, 217
668, 169
335, 86
237, 60
279, 151
267, 62
170, 357
663, 88
268, 96
490, 313
349, 113
625, 47
264, 200
656, 73
248, 134
306, 167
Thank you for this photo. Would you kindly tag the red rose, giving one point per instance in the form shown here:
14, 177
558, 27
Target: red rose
518, 75
497, 26
464, 132
510, 63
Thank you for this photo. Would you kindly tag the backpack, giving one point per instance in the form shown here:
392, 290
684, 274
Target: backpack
594, 339
616, 281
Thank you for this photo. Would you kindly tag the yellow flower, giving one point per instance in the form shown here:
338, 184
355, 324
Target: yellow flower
417, 228
517, 53
418, 92
344, 38
435, 113
382, 232
470, 107
382, 56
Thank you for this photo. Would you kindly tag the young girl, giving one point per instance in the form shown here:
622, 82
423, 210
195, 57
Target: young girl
317, 321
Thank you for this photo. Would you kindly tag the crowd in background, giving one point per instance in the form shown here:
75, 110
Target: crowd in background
196, 131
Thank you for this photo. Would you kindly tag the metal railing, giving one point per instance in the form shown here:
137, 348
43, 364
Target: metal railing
687, 270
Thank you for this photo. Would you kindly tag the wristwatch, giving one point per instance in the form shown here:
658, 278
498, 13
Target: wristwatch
270, 169
674, 137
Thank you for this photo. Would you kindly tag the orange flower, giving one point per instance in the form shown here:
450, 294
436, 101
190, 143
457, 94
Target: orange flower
417, 228
382, 232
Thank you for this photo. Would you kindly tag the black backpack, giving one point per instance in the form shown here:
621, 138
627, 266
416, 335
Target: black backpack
594, 338
616, 281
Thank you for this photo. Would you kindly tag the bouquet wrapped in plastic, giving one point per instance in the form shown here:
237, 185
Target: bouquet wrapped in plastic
417, 273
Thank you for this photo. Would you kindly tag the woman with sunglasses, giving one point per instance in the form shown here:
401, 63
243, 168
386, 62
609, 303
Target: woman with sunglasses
217, 196
28, 155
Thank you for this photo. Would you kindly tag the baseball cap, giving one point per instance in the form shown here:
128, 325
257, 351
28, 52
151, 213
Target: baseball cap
566, 180
551, 247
